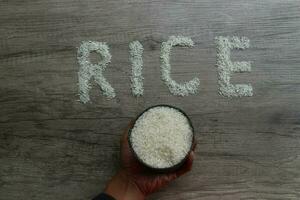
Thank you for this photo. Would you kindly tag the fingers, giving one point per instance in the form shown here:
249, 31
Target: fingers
194, 145
125, 134
187, 166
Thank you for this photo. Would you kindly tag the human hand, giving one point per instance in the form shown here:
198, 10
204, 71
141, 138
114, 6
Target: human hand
139, 180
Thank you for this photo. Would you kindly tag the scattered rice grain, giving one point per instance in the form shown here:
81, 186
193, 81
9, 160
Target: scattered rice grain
183, 89
88, 70
226, 66
136, 59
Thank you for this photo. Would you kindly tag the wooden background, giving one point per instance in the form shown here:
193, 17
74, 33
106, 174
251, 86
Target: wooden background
54, 147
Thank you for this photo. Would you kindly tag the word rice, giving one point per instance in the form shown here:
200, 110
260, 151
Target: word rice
88, 71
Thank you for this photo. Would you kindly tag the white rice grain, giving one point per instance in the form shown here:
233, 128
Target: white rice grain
226, 67
161, 137
180, 89
88, 70
136, 59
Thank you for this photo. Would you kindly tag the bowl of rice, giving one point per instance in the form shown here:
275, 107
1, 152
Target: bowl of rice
161, 137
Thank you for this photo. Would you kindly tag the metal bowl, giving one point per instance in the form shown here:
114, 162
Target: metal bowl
166, 169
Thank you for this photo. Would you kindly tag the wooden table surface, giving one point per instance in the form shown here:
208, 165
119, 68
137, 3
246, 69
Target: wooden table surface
54, 147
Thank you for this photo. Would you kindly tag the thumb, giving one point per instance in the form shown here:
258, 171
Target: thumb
187, 166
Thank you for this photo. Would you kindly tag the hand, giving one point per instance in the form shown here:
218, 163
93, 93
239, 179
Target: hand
139, 180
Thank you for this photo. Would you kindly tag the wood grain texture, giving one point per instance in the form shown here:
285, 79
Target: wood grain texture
54, 147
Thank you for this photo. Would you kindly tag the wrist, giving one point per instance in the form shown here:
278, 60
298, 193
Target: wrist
121, 187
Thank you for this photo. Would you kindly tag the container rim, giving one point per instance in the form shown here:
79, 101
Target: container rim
174, 167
